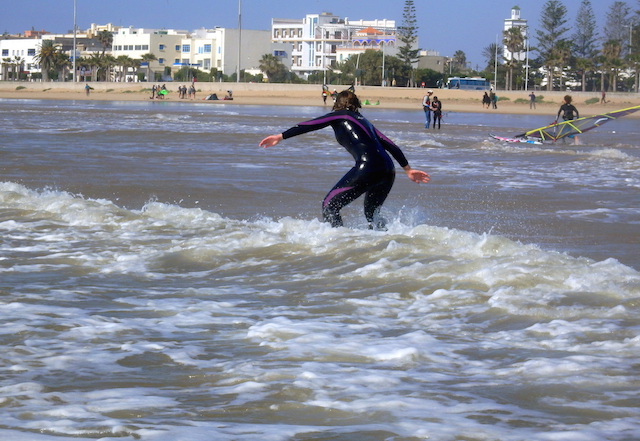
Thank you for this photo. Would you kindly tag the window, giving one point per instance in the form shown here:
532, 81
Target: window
186, 48
138, 47
161, 60
161, 47
31, 52
145, 47
5, 52
207, 48
177, 48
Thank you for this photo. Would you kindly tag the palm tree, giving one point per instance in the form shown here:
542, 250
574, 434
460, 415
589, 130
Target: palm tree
584, 65
61, 63
271, 66
46, 57
6, 63
125, 62
96, 63
108, 61
514, 42
148, 58
106, 40
611, 51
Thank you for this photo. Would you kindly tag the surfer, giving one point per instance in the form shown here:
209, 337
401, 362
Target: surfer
373, 173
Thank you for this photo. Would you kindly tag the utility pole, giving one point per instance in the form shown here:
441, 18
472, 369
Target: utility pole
74, 41
239, 39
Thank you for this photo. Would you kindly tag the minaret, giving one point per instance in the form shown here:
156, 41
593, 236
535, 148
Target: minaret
515, 21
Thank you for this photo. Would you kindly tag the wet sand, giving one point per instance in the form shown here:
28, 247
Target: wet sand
511, 102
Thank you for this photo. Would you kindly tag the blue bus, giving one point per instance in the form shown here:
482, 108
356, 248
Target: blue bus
468, 83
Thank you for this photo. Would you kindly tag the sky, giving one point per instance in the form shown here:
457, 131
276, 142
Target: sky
444, 26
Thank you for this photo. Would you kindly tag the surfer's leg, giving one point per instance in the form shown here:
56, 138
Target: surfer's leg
343, 193
375, 197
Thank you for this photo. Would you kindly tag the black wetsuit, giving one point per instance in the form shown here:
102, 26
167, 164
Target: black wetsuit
568, 111
373, 173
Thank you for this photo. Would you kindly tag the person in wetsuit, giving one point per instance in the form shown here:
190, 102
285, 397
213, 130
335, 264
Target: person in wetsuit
373, 173
567, 110
569, 113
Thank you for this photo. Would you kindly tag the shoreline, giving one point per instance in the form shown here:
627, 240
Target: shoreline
310, 95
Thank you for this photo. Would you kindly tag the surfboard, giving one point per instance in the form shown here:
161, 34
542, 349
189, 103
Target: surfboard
518, 140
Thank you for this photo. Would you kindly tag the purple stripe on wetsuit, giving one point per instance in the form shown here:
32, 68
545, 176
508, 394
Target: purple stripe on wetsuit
331, 118
333, 194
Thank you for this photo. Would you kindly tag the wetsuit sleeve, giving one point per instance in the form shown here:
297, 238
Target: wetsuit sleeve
392, 148
307, 126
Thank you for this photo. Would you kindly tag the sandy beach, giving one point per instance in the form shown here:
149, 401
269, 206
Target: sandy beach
512, 102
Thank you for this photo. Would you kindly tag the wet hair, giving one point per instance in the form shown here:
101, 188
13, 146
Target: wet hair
567, 99
348, 100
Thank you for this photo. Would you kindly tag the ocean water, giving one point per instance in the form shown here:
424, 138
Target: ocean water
162, 278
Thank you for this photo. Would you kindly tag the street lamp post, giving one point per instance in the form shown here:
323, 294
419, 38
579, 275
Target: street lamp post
239, 39
74, 41
383, 77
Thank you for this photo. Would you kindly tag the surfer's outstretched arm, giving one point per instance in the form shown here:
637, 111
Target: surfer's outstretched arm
271, 140
417, 176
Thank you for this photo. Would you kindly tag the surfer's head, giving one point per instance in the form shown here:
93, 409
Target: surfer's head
347, 100
567, 99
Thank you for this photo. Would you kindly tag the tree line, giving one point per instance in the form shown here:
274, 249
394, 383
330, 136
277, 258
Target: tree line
578, 56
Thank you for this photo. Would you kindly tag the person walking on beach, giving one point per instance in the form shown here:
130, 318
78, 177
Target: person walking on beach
436, 107
603, 98
373, 173
532, 100
494, 99
426, 106
87, 89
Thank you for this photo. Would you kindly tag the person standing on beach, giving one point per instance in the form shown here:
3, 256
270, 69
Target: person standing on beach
87, 89
373, 173
486, 101
426, 106
436, 107
532, 100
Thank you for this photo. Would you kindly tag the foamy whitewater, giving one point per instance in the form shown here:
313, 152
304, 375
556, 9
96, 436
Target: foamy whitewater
164, 279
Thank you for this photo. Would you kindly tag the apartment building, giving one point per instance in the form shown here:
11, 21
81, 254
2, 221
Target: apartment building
320, 41
203, 49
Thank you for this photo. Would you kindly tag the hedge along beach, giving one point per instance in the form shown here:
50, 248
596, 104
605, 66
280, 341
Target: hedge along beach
510, 102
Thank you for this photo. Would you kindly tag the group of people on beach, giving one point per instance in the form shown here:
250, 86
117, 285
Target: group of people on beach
158, 92
432, 106
183, 91
490, 99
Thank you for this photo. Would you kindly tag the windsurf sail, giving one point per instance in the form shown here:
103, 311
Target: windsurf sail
553, 132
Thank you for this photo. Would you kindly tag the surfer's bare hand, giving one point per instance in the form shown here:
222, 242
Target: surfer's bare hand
270, 141
417, 176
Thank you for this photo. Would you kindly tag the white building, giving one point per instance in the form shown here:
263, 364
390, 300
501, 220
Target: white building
18, 57
203, 49
319, 41
165, 45
513, 22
